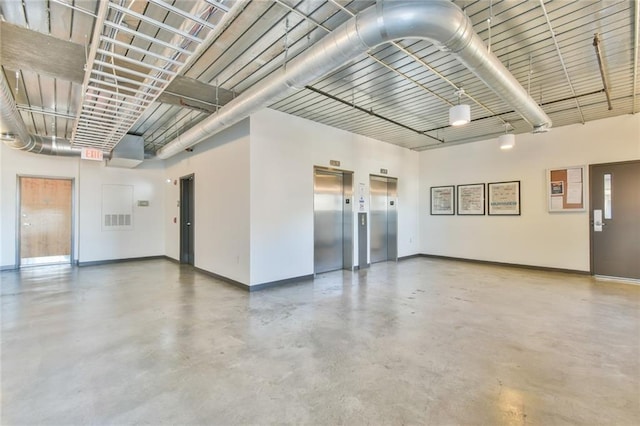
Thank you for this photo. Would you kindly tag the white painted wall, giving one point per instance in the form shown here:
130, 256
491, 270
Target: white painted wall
16, 163
254, 196
538, 238
221, 169
146, 237
284, 150
2, 189
90, 242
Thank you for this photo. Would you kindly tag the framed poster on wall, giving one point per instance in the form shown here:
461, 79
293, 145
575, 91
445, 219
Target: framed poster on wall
504, 198
442, 200
566, 189
471, 199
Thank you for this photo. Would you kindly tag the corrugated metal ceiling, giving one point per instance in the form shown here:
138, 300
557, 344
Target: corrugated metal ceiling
399, 92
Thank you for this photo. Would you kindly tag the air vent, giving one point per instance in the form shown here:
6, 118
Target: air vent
115, 221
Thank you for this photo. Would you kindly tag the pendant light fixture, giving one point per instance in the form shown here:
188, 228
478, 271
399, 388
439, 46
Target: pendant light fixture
508, 140
459, 114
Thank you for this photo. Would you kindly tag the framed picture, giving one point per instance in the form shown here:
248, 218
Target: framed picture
504, 198
442, 200
471, 199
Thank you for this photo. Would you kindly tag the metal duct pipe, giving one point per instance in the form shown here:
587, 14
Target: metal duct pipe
14, 133
57, 146
439, 21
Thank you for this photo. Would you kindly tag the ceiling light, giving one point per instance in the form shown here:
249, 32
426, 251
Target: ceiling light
459, 114
507, 141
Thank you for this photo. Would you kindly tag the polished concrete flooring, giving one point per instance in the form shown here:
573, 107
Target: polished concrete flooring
423, 341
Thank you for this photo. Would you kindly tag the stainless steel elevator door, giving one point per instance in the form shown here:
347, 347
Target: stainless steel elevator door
383, 220
378, 219
328, 221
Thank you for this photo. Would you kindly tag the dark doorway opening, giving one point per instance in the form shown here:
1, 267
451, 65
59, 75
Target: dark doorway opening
187, 216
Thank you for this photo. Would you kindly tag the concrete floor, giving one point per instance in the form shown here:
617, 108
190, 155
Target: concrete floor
419, 342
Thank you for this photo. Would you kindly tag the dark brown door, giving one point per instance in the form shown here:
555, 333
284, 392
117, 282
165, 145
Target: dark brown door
615, 219
187, 216
45, 220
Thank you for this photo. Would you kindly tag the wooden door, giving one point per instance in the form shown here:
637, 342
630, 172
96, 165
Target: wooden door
45, 220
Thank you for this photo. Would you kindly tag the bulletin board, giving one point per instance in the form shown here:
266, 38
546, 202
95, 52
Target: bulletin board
566, 188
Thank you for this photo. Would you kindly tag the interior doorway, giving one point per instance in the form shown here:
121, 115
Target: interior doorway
45, 221
383, 222
187, 216
615, 219
332, 219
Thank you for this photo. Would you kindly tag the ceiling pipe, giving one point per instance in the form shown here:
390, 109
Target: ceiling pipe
14, 133
439, 21
596, 45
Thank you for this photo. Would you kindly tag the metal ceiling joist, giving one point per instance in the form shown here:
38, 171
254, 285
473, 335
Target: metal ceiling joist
395, 70
446, 26
133, 87
564, 67
387, 79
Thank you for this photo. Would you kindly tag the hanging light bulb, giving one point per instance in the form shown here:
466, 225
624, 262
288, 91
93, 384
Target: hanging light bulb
459, 114
508, 140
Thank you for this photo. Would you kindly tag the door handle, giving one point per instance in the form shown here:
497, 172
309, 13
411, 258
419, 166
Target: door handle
597, 220
188, 223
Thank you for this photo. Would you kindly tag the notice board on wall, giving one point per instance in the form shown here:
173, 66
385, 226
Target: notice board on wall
566, 189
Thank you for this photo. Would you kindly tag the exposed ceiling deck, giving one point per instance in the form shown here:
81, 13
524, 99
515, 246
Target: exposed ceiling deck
398, 92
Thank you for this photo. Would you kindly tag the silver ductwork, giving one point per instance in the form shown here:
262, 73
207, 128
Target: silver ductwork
14, 133
439, 21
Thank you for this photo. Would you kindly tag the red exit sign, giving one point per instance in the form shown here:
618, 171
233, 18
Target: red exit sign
91, 154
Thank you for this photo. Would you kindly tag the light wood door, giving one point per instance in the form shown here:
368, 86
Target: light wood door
45, 218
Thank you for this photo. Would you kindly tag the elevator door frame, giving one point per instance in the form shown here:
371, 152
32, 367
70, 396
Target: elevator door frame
347, 217
391, 219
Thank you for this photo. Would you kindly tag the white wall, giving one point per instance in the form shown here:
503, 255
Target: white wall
14, 163
254, 196
146, 238
221, 169
538, 238
90, 242
2, 218
284, 150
